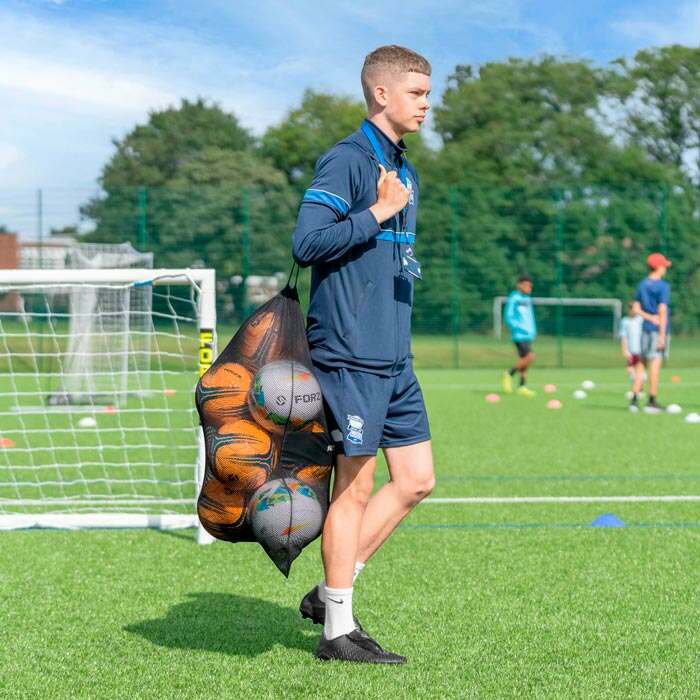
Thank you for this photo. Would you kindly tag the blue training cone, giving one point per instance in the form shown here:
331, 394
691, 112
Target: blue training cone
607, 520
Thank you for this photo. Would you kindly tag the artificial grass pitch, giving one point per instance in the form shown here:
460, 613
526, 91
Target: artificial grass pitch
485, 599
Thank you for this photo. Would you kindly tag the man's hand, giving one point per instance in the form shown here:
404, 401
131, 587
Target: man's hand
392, 196
661, 343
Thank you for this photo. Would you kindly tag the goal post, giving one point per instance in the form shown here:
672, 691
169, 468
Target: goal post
98, 426
614, 305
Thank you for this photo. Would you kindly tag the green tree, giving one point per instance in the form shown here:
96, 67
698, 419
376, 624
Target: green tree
659, 90
153, 153
218, 200
65, 231
528, 178
524, 121
191, 187
309, 130
150, 156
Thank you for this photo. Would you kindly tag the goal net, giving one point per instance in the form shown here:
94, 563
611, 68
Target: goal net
574, 316
97, 420
107, 356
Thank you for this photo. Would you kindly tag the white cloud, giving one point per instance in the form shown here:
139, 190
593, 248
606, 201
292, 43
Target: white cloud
667, 27
50, 79
9, 155
69, 83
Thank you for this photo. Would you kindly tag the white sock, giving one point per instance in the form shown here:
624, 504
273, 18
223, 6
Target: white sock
322, 586
338, 612
358, 569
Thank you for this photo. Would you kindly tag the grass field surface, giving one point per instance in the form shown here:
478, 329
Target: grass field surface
489, 599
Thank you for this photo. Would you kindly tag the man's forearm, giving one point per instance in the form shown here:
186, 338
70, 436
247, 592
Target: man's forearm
663, 315
314, 243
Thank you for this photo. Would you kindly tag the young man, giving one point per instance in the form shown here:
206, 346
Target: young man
631, 341
520, 319
653, 303
356, 228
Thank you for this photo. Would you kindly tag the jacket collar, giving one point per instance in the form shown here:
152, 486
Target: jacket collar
392, 151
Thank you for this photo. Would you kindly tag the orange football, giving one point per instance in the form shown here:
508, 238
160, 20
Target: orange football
223, 392
220, 504
255, 333
243, 455
313, 474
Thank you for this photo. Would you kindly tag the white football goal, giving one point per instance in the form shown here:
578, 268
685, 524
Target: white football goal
614, 307
98, 426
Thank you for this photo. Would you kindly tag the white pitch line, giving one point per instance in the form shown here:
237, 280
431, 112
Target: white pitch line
562, 499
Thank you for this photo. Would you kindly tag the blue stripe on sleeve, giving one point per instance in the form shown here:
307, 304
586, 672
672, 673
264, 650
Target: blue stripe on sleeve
387, 234
331, 200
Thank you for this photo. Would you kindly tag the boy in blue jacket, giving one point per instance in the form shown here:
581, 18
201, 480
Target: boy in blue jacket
356, 228
520, 319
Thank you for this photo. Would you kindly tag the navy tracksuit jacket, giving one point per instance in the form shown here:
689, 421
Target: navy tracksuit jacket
361, 298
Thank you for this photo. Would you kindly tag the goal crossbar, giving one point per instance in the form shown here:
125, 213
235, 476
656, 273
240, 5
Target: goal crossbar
614, 304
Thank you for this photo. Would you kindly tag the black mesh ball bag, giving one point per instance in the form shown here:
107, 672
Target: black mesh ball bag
269, 455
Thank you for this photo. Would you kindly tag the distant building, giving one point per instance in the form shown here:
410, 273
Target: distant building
66, 252
260, 289
9, 260
51, 254
9, 251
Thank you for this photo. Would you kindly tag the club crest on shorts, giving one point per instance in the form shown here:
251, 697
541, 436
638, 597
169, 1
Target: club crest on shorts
355, 427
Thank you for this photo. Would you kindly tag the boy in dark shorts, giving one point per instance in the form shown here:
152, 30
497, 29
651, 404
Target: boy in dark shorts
356, 228
520, 319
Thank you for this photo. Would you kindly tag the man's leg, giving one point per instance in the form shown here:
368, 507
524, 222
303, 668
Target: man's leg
412, 478
352, 488
654, 371
525, 357
341, 638
523, 366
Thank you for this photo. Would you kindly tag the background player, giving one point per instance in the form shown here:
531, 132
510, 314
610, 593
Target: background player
520, 319
653, 303
356, 227
631, 341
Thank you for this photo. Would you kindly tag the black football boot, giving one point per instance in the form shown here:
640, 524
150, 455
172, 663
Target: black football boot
357, 647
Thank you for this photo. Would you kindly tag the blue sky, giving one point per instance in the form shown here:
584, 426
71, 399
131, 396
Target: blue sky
74, 74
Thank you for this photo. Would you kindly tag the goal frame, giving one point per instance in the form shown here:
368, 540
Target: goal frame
205, 281
614, 304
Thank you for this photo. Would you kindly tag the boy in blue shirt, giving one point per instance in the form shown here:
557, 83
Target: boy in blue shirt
356, 228
653, 303
520, 319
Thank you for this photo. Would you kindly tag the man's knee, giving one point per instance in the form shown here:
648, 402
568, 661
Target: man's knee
354, 479
358, 489
361, 489
415, 489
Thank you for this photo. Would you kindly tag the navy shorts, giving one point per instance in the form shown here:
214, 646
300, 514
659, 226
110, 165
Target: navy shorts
367, 411
523, 347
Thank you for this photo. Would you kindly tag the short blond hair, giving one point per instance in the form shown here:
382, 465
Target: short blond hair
394, 59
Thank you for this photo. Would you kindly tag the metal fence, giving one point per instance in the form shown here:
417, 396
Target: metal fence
575, 241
